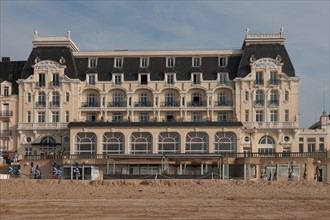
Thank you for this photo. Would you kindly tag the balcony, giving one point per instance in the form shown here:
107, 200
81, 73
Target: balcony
223, 103
196, 103
143, 104
259, 125
273, 82
5, 133
170, 104
274, 102
116, 104
40, 104
53, 84
6, 113
54, 104
259, 102
40, 84
90, 104
41, 126
259, 82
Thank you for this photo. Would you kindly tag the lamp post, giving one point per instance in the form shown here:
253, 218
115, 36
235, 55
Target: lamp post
250, 132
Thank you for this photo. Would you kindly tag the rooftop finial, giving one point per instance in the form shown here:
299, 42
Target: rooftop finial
68, 34
247, 31
35, 34
282, 32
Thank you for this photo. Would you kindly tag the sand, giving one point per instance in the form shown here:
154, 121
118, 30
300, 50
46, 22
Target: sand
163, 199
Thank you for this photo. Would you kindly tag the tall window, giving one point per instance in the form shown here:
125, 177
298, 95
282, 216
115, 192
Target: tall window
92, 63
67, 97
259, 115
6, 91
117, 117
118, 79
42, 80
223, 78
170, 99
259, 78
144, 79
85, 143
55, 117
311, 147
29, 97
113, 143
222, 61
286, 95
223, 99
222, 116
55, 99
273, 115
29, 117
196, 99
273, 78
41, 117
143, 117
259, 97
92, 100
196, 62
41, 99
197, 142
117, 100
247, 96
196, 116
91, 79
56, 79
67, 116
118, 63
246, 115
196, 78
286, 115
168, 142
144, 99
170, 62
169, 79
144, 62
273, 98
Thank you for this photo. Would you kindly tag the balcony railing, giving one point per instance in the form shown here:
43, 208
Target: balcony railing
273, 124
196, 103
259, 82
6, 113
117, 104
54, 104
54, 84
273, 102
143, 104
260, 102
40, 104
273, 82
5, 133
90, 104
40, 84
55, 125
170, 104
223, 103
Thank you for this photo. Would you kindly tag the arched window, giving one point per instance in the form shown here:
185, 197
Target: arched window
85, 143
141, 143
168, 142
42, 98
113, 143
48, 144
55, 98
260, 97
197, 142
273, 97
266, 145
225, 142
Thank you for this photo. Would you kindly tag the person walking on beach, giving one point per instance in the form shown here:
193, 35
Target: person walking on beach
15, 157
59, 172
54, 171
76, 171
37, 174
31, 170
19, 173
10, 171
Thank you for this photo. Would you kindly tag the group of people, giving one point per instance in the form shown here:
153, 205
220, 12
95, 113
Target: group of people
35, 173
12, 171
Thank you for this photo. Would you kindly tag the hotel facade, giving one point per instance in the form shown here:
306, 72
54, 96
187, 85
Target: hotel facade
179, 112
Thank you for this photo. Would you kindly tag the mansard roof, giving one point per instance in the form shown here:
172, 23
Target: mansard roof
51, 53
11, 71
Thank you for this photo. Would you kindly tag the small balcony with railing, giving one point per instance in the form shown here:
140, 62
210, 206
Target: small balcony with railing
223, 104
116, 104
259, 103
259, 82
90, 104
143, 104
273, 103
197, 104
54, 104
40, 104
40, 84
170, 104
54, 84
273, 82
6, 113
5, 133
42, 126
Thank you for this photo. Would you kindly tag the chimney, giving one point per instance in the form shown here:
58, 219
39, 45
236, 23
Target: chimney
5, 59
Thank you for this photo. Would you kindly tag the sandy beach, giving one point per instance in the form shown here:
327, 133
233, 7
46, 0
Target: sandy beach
163, 199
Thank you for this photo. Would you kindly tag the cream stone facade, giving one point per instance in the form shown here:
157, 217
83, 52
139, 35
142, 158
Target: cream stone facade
194, 106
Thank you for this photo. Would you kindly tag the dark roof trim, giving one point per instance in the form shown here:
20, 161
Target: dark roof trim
155, 124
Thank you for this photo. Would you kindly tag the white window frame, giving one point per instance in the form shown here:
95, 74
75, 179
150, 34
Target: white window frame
223, 78
197, 75
41, 117
92, 62
223, 61
144, 62
148, 78
118, 62
259, 115
196, 61
115, 78
273, 114
170, 63
90, 77
167, 78
55, 117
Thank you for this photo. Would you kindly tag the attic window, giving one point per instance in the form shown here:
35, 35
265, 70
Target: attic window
222, 61
92, 63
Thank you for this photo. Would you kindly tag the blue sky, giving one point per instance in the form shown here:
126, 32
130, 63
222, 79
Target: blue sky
109, 25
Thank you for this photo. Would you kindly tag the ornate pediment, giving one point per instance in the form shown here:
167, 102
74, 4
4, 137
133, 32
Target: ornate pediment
265, 63
47, 65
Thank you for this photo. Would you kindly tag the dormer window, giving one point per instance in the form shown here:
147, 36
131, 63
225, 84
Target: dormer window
170, 62
196, 62
118, 79
144, 78
144, 62
223, 78
118, 62
222, 61
169, 77
91, 79
6, 91
196, 78
92, 63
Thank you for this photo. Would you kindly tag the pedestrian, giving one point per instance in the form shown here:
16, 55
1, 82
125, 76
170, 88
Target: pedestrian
54, 171
76, 171
59, 172
10, 171
37, 174
31, 170
15, 157
19, 173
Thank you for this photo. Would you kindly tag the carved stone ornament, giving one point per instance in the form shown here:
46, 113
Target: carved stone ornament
62, 60
252, 59
278, 58
37, 60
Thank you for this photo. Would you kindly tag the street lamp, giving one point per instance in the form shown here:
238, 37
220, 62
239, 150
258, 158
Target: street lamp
250, 132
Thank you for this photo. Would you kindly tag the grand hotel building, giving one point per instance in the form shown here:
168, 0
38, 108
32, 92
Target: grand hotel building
186, 106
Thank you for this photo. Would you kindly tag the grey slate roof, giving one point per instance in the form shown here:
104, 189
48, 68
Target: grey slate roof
264, 50
15, 69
